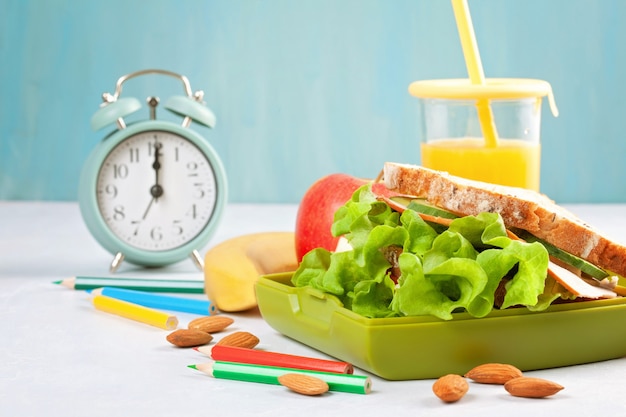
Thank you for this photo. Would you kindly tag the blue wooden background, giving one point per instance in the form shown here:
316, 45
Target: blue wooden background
304, 88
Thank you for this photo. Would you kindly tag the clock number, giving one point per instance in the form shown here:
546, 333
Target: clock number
136, 223
120, 171
156, 233
192, 211
134, 155
192, 167
110, 190
151, 145
178, 229
118, 213
199, 190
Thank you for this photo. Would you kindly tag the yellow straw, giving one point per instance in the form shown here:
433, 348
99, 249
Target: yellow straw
135, 312
474, 68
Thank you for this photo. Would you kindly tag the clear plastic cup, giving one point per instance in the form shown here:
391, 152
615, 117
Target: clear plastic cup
453, 126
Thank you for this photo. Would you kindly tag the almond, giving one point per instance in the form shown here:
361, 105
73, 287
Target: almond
450, 388
239, 339
493, 373
189, 338
210, 324
303, 384
532, 387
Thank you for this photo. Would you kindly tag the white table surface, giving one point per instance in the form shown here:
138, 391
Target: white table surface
61, 357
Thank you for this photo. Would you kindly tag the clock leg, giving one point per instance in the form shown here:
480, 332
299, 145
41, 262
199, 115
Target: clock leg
197, 259
116, 262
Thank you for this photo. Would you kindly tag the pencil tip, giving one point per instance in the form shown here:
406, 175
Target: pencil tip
192, 366
95, 291
58, 282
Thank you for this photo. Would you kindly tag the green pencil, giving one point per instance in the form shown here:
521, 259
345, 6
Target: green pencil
355, 384
140, 284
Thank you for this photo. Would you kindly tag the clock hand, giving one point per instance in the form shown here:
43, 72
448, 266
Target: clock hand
137, 223
148, 208
156, 190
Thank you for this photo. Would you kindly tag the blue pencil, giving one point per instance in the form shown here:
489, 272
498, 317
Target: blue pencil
159, 301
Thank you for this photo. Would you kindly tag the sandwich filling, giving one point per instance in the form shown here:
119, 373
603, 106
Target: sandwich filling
402, 256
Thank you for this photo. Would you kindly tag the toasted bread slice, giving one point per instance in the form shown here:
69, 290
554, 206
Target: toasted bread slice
519, 208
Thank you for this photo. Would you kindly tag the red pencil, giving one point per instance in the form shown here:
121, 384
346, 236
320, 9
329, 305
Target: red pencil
261, 357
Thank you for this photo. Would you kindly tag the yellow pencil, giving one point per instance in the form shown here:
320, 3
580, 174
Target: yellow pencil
135, 312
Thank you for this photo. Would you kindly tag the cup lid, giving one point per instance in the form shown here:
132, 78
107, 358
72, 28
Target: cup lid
493, 88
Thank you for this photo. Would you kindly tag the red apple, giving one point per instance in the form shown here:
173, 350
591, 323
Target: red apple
317, 210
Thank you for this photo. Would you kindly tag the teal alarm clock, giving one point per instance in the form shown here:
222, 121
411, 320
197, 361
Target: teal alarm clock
153, 192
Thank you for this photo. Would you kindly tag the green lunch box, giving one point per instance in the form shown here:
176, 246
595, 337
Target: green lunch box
423, 347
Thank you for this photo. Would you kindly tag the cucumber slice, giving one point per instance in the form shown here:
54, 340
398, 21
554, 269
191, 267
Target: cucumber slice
586, 267
423, 206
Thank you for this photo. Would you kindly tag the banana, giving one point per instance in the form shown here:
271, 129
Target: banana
232, 267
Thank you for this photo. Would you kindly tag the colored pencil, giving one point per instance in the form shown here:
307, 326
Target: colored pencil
158, 301
135, 312
261, 357
355, 384
141, 284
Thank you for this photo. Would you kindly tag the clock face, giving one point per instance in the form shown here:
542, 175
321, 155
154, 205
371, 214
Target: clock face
156, 190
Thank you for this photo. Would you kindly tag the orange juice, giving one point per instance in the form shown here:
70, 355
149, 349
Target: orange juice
512, 162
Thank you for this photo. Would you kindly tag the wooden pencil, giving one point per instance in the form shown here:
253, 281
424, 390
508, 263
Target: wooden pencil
141, 284
356, 384
135, 312
261, 357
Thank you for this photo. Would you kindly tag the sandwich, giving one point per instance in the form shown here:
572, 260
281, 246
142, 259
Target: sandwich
436, 244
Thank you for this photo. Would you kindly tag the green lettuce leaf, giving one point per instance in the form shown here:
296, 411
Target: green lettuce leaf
451, 285
372, 298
